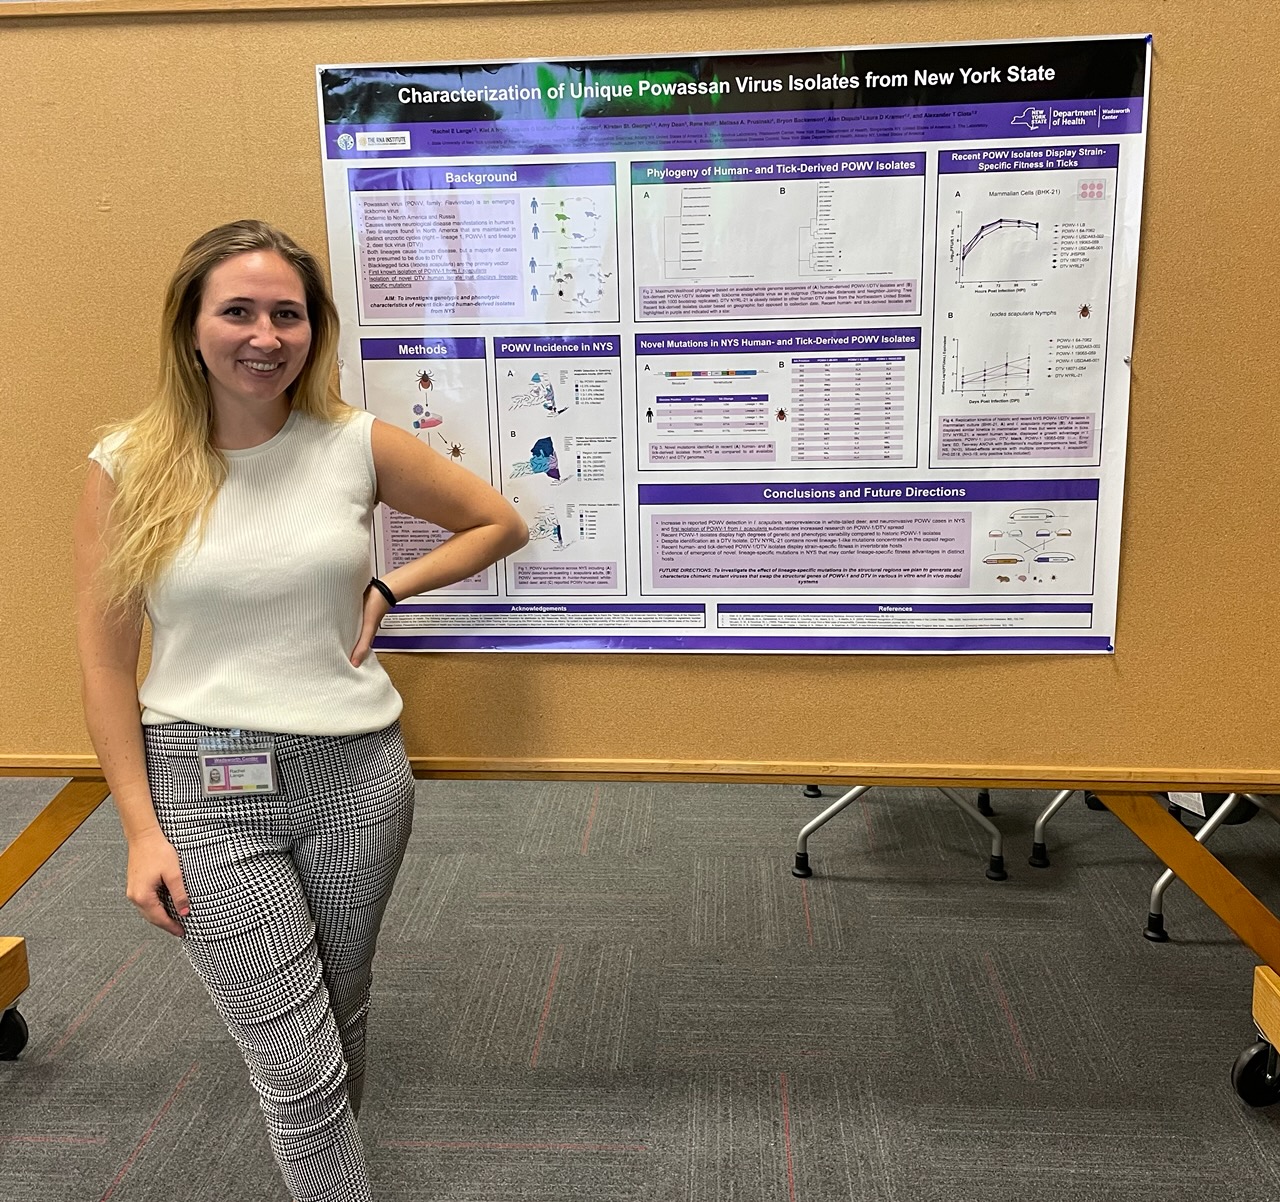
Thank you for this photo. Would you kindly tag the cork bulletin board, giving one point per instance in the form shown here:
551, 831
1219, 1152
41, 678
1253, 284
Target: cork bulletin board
130, 128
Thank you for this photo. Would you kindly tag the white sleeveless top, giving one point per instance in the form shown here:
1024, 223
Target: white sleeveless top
253, 625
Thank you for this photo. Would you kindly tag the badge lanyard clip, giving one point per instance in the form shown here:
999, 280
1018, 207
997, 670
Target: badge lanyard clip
233, 764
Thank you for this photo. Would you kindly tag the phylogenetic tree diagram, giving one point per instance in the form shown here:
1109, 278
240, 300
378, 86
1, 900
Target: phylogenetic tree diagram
819, 254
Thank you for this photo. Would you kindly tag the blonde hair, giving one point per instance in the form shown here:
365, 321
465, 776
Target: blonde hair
167, 471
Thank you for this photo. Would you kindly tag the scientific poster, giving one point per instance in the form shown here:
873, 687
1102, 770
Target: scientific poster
816, 351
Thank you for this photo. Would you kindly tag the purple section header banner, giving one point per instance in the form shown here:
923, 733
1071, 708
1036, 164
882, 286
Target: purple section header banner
1028, 158
839, 359
516, 175
730, 398
676, 131
534, 607
421, 348
868, 494
728, 171
772, 644
772, 341
568, 346
1031, 607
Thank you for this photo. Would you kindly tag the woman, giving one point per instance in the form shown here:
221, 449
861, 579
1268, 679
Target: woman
259, 772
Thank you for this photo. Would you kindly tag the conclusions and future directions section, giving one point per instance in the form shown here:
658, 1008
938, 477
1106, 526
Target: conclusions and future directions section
1016, 537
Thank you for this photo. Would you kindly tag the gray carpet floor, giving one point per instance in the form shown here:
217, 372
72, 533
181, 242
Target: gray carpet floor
619, 992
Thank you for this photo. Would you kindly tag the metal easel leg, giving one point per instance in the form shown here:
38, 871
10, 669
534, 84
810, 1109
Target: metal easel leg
802, 843
1154, 930
1039, 853
1266, 801
995, 868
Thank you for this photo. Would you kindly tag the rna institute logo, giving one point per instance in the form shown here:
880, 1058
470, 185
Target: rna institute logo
345, 141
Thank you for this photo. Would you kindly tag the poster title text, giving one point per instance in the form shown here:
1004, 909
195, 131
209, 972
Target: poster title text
741, 84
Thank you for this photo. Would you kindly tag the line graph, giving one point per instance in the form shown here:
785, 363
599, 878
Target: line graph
966, 246
1010, 375
1003, 373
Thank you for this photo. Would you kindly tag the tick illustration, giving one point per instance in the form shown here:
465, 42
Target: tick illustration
781, 415
1084, 310
425, 381
454, 450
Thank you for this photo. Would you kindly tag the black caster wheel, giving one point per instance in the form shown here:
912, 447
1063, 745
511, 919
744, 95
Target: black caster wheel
812, 791
13, 1035
1154, 930
1255, 1076
1093, 801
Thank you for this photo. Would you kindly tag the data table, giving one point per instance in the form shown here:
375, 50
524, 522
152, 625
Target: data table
848, 410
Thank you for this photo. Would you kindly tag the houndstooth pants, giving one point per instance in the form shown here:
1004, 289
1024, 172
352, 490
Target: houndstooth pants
287, 894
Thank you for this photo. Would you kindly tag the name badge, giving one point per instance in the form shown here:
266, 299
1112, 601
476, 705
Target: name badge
232, 767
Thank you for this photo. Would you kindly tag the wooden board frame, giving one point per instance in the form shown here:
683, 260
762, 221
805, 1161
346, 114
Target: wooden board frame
1186, 701
1266, 1003
45, 9
15, 973
1145, 780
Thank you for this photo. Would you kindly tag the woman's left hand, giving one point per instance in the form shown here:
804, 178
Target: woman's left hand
375, 609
